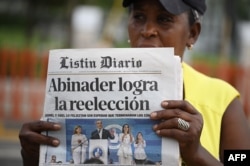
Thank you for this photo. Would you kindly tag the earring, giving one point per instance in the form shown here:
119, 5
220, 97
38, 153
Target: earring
128, 41
190, 47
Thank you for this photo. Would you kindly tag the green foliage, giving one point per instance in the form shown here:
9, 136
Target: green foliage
12, 37
242, 9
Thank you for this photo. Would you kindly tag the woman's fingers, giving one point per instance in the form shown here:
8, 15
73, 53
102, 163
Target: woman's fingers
30, 133
31, 138
40, 126
181, 121
181, 104
37, 138
177, 109
170, 128
170, 113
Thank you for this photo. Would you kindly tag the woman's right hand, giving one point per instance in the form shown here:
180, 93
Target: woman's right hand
31, 138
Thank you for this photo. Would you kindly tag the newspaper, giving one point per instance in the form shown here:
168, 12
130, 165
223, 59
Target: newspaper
116, 88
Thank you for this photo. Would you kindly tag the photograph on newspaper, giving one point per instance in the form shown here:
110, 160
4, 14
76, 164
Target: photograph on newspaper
145, 146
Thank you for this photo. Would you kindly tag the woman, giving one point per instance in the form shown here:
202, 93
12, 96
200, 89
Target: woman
53, 159
125, 150
79, 144
208, 120
139, 145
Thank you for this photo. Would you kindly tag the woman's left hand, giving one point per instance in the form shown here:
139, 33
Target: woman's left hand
189, 137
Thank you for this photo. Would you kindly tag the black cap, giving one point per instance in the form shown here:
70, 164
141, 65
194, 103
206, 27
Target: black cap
177, 6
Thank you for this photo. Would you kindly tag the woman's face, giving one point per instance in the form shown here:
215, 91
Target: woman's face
126, 128
150, 25
78, 130
139, 136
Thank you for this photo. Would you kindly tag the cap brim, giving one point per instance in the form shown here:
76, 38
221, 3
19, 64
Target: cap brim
175, 6
172, 6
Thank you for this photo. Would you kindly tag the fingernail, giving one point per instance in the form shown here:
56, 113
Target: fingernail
55, 142
158, 132
153, 114
155, 127
57, 126
164, 104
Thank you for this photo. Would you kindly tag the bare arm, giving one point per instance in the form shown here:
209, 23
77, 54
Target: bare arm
235, 132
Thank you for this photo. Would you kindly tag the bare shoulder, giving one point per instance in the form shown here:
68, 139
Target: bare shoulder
235, 130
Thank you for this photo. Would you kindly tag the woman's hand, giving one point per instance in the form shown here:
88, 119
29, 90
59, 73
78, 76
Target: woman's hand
189, 140
31, 138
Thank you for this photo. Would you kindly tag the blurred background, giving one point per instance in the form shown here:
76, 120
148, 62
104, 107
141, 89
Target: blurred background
30, 28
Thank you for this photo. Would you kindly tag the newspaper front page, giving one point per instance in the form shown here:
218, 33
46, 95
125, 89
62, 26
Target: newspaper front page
115, 90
